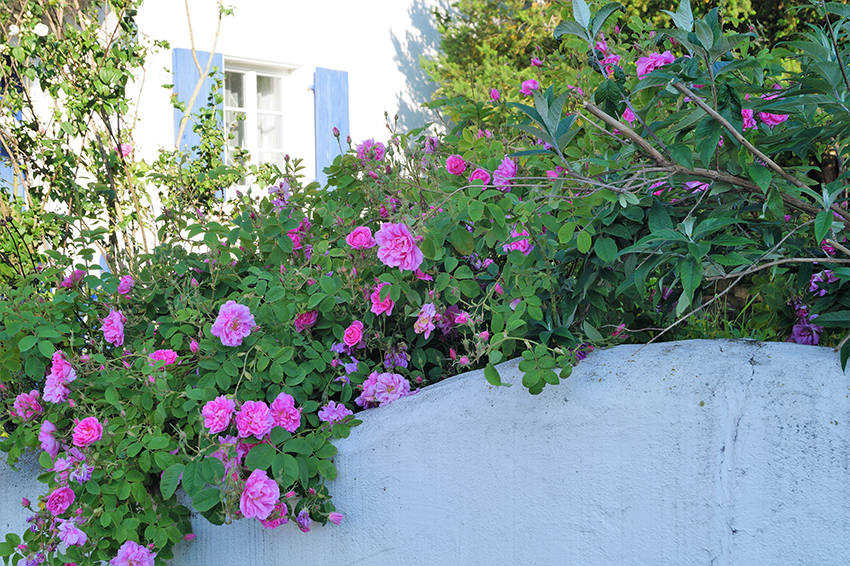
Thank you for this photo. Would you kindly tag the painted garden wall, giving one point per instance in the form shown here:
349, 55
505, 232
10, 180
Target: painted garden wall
697, 452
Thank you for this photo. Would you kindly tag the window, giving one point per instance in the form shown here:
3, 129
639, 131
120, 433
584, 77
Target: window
255, 93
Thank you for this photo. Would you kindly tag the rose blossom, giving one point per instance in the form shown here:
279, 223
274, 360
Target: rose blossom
306, 320
194, 346
168, 357
425, 322
260, 496
528, 86
124, 149
524, 245
628, 115
304, 521
234, 323
455, 164
254, 419
284, 412
71, 535
87, 432
367, 398
825, 276
480, 175
54, 391
278, 516
804, 332
494, 94
379, 306
370, 150
332, 413
335, 518
536, 62
113, 328
389, 387
27, 406
73, 279
133, 554
646, 65
217, 413
59, 501
353, 334
397, 248
126, 285
48, 442
749, 121
361, 238
503, 174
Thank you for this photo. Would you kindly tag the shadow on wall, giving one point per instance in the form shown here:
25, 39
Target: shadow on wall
420, 39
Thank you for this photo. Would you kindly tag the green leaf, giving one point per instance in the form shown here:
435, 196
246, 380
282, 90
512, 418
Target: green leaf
274, 294
170, 480
707, 134
682, 155
685, 16
581, 13
463, 241
327, 469
761, 176
492, 375
835, 319
584, 241
193, 480
111, 395
606, 249
704, 34
298, 446
207, 499
279, 435
27, 342
476, 210
838, 9
690, 271
285, 467
571, 28
823, 223
260, 457
602, 16
592, 334
566, 232
46, 348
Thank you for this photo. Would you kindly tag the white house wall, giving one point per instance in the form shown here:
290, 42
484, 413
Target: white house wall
377, 42
688, 453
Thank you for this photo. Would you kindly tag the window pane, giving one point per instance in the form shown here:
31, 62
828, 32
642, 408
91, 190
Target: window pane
272, 157
268, 93
234, 90
234, 127
270, 131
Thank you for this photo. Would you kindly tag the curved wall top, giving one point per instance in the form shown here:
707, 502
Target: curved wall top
697, 452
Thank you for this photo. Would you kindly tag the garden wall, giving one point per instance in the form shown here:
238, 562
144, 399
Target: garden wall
698, 452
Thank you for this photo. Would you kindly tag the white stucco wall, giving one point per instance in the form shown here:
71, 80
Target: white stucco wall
698, 452
378, 42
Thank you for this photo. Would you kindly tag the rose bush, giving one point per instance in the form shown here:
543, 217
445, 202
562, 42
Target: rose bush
225, 360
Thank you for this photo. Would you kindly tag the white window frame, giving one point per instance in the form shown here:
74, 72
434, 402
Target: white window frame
250, 70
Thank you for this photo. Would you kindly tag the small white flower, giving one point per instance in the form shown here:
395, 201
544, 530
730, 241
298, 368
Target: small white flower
40, 29
14, 30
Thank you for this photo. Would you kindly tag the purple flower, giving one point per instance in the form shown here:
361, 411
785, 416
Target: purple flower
304, 521
825, 276
333, 413
350, 367
82, 474
804, 332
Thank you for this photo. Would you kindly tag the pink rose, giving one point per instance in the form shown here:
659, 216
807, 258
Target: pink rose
217, 414
133, 554
397, 248
536, 62
333, 413
425, 321
524, 245
87, 432
113, 328
284, 412
48, 442
27, 406
73, 279
124, 149
168, 357
494, 94
628, 115
480, 175
379, 306
126, 285
353, 335
370, 150
55, 391
528, 86
306, 320
695, 186
361, 239
390, 387
260, 496
71, 535
609, 62
503, 174
59, 501
646, 65
295, 236
772, 119
455, 165
749, 121
194, 346
335, 518
254, 419
234, 323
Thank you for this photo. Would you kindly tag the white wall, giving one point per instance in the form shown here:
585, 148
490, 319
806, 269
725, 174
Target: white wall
378, 42
698, 452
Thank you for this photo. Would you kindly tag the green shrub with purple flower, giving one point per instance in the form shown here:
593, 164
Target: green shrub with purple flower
617, 202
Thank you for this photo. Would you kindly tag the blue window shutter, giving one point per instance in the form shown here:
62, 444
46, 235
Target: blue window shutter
8, 182
330, 89
186, 77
